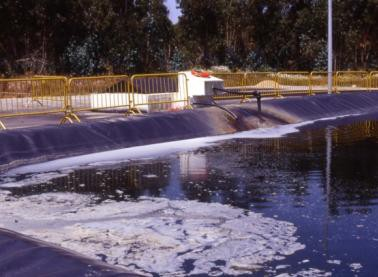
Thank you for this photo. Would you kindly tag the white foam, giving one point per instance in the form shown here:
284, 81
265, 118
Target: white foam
159, 149
355, 267
33, 179
155, 234
335, 262
311, 272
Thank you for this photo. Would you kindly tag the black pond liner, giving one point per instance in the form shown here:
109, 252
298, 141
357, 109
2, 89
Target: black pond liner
24, 256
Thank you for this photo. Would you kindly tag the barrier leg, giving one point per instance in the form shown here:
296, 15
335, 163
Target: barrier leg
65, 119
69, 116
2, 126
75, 117
278, 93
244, 99
133, 111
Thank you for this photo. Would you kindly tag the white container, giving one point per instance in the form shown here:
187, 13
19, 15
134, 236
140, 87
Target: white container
200, 86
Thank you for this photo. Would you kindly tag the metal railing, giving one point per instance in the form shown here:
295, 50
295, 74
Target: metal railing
232, 81
319, 82
36, 96
264, 82
293, 83
297, 83
156, 92
373, 81
352, 81
42, 95
99, 93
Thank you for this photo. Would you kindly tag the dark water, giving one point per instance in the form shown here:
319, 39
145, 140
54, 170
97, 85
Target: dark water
323, 179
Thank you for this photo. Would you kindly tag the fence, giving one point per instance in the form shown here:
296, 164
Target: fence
319, 82
22, 97
352, 81
99, 93
292, 83
297, 83
232, 81
373, 81
155, 92
265, 82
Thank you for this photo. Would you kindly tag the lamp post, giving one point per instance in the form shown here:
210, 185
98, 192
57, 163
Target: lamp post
330, 47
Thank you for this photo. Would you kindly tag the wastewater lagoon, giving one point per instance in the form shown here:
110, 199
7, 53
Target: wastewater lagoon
301, 204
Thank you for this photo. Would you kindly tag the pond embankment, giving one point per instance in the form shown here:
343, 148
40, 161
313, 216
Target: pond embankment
25, 256
38, 144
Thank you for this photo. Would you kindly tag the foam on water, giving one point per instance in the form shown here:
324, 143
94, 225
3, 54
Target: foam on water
45, 177
159, 149
311, 272
154, 234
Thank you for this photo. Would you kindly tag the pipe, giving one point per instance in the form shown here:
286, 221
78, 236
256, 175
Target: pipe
330, 47
254, 93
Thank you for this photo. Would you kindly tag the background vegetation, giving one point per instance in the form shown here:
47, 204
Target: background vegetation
85, 37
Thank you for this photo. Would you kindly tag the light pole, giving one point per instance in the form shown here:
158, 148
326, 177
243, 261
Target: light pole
330, 47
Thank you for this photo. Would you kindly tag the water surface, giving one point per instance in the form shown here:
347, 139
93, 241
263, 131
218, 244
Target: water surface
323, 179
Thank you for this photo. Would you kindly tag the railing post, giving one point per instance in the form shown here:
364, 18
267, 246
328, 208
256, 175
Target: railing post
186, 80
310, 83
67, 99
245, 79
133, 107
372, 80
129, 94
276, 84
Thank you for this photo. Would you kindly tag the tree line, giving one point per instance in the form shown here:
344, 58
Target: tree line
86, 37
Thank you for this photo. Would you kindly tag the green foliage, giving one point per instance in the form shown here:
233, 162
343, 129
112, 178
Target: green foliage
84, 37
177, 62
254, 61
83, 58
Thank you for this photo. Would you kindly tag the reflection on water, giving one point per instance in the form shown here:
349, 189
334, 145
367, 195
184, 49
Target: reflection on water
323, 179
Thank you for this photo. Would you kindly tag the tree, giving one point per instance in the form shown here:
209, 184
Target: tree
198, 30
85, 37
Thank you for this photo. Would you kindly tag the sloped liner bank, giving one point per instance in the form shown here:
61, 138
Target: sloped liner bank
27, 146
23, 256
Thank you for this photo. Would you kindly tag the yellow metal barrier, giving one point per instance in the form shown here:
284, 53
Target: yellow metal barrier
373, 81
154, 92
48, 76
99, 92
352, 81
157, 92
319, 82
264, 82
232, 81
33, 96
293, 83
